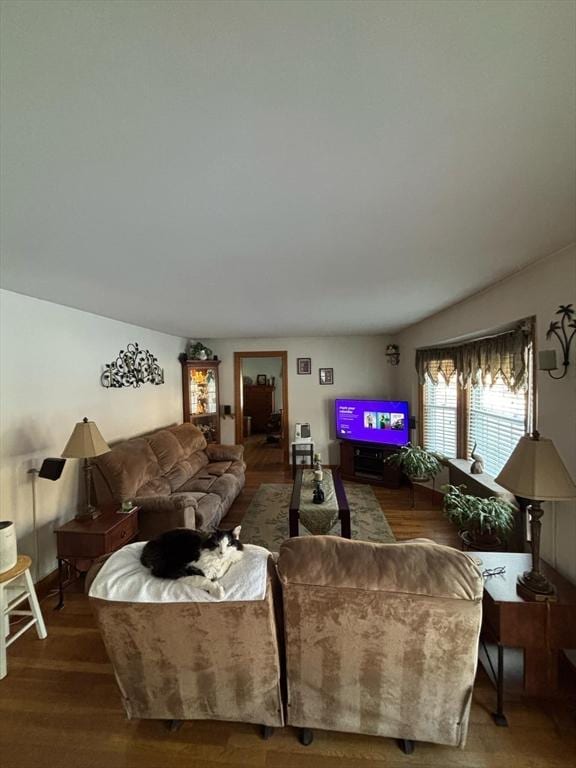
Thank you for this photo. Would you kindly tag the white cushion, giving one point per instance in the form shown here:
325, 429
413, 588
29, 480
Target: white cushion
123, 578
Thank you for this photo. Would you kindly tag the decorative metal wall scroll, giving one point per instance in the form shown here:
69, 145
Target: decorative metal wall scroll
132, 367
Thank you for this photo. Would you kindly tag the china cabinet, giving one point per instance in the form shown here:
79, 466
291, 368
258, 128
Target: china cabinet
200, 396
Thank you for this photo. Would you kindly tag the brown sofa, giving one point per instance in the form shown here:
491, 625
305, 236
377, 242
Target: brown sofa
381, 639
174, 476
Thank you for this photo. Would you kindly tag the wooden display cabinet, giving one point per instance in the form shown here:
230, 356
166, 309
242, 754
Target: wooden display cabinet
201, 398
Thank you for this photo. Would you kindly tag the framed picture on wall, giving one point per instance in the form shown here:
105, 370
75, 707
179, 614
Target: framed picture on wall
326, 375
261, 379
304, 365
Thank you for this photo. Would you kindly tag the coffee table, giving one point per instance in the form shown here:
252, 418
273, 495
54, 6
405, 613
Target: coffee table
319, 516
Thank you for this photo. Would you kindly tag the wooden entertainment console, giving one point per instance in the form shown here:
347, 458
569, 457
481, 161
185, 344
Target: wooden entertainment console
365, 462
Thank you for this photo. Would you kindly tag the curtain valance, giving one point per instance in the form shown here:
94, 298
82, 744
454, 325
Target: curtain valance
503, 357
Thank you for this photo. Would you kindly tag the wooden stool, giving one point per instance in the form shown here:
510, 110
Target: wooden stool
19, 581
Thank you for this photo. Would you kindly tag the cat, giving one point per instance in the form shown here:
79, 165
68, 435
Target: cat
201, 557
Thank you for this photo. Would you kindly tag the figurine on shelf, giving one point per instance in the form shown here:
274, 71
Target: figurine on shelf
477, 467
195, 350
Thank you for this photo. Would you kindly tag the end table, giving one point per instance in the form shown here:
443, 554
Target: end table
80, 543
540, 629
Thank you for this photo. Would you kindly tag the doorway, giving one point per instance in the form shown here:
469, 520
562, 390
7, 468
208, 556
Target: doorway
261, 406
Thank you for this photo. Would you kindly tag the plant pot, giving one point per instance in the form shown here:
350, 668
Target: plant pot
481, 542
417, 479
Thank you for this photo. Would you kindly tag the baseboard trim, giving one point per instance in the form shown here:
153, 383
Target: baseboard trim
47, 584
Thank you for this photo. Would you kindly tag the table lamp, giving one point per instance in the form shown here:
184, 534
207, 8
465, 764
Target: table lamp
84, 443
536, 472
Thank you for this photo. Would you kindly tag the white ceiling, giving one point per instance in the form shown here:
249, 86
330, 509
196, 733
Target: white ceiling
219, 169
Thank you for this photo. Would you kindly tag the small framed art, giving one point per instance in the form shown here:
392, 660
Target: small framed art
326, 375
261, 379
304, 365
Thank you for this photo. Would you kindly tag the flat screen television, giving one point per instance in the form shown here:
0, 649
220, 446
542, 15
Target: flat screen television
373, 421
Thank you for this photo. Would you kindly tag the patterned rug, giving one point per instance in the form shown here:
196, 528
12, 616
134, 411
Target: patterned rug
266, 520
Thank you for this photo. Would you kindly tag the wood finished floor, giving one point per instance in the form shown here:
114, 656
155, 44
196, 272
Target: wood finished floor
59, 704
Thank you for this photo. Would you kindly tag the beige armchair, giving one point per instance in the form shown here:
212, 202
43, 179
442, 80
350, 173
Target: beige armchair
380, 638
195, 661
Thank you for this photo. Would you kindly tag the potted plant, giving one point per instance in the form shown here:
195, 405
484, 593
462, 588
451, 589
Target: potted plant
416, 462
482, 523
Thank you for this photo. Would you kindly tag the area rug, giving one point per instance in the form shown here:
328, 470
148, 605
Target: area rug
266, 520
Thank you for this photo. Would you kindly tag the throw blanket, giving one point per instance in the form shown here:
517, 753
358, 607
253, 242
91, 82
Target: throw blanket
123, 578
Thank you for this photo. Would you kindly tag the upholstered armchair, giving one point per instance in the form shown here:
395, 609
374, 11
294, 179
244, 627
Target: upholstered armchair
176, 661
381, 639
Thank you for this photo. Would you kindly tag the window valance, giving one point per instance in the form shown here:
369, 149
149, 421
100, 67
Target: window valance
503, 356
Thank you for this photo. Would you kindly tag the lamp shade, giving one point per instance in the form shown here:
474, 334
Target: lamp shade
536, 471
85, 442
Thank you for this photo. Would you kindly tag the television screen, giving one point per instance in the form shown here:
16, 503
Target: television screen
373, 421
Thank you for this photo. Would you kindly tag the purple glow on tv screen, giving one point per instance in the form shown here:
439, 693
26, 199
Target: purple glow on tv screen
373, 421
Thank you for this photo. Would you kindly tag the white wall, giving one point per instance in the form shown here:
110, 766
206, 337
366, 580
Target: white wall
360, 370
271, 367
51, 360
536, 290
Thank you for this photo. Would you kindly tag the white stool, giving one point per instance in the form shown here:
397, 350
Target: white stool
18, 582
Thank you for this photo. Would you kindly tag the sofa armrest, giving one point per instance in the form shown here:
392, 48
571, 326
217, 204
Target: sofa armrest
162, 513
217, 452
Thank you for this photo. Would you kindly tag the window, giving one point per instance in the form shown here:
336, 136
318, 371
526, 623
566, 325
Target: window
459, 414
439, 422
496, 421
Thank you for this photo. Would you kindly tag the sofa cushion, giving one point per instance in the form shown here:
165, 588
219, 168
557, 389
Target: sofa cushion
227, 487
167, 449
209, 512
217, 468
190, 438
127, 467
218, 452
158, 486
237, 469
198, 483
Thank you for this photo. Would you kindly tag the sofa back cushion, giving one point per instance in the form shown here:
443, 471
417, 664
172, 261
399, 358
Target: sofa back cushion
167, 448
154, 465
420, 567
190, 438
126, 468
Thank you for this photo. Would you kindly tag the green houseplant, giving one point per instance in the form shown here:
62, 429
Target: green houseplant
482, 523
416, 462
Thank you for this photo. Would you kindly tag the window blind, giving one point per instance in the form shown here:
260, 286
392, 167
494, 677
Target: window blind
440, 416
497, 419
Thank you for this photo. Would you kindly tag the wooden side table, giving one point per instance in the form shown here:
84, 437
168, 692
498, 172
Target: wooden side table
541, 629
80, 543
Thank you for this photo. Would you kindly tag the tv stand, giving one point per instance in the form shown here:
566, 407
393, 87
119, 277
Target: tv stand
366, 462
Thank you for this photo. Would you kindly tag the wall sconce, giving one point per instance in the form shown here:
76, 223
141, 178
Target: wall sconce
393, 354
547, 357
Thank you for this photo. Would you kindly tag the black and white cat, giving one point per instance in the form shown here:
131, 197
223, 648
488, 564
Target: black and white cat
201, 557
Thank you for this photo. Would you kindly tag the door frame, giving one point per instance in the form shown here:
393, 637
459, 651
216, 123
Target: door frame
238, 396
